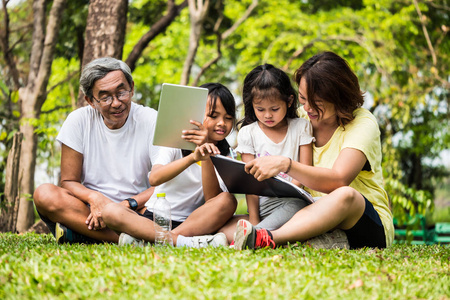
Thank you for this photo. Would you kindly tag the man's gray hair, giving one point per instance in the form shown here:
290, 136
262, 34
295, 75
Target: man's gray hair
99, 68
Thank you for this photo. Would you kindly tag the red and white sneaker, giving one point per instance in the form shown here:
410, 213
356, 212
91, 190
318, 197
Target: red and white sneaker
247, 237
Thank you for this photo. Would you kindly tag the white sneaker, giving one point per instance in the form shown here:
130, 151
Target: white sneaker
336, 239
217, 240
126, 239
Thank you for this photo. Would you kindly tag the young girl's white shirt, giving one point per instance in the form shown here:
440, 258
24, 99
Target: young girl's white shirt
252, 140
185, 191
116, 162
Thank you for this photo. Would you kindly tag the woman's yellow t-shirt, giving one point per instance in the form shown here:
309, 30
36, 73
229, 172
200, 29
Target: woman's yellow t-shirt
362, 134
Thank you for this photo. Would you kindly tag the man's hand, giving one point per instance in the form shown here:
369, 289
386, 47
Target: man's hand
197, 136
94, 221
266, 166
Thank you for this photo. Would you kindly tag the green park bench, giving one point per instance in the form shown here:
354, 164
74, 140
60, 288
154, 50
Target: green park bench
442, 233
416, 232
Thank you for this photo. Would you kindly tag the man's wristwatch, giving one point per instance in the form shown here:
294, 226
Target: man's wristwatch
133, 203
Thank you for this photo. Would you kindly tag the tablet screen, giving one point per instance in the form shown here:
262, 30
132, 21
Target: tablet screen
178, 105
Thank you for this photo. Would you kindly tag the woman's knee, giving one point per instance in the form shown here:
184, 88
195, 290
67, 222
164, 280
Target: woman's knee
347, 195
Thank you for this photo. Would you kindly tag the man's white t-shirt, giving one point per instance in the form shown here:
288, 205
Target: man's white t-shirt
116, 162
185, 191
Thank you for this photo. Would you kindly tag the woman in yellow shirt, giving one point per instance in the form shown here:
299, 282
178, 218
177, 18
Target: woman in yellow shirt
346, 176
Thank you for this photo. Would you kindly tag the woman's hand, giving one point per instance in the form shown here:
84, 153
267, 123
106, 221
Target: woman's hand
197, 136
204, 151
266, 166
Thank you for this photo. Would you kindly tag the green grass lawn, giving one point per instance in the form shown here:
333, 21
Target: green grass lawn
34, 267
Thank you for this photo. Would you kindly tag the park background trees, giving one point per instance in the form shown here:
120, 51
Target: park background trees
399, 50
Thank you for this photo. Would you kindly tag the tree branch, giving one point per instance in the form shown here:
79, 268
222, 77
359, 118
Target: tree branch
56, 108
7, 51
425, 32
37, 39
241, 20
209, 63
160, 26
223, 36
197, 14
360, 40
431, 3
69, 77
298, 53
48, 51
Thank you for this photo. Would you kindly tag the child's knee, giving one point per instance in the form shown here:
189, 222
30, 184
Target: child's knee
229, 201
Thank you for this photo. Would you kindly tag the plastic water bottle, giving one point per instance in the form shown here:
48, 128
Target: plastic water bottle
162, 217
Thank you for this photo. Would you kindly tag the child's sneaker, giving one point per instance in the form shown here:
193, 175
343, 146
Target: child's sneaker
217, 240
246, 236
336, 239
126, 239
232, 245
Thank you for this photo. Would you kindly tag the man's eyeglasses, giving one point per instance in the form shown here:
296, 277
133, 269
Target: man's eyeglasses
107, 100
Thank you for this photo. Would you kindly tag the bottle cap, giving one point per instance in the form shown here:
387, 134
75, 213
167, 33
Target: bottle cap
161, 195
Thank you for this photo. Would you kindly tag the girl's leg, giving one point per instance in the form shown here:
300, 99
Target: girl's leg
279, 214
341, 209
206, 219
209, 217
230, 227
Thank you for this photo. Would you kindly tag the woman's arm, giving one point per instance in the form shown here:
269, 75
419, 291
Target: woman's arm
345, 169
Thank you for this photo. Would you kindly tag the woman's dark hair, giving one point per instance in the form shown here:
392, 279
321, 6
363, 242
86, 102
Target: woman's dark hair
329, 78
267, 82
219, 91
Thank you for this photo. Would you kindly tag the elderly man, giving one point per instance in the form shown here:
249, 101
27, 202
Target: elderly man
106, 156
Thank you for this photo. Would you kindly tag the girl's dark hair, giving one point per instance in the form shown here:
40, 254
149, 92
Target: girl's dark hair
329, 78
219, 91
266, 82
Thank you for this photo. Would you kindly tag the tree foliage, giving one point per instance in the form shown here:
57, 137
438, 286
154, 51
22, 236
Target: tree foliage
398, 49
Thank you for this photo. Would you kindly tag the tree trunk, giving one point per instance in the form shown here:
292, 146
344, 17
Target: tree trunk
32, 97
197, 11
105, 32
10, 208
